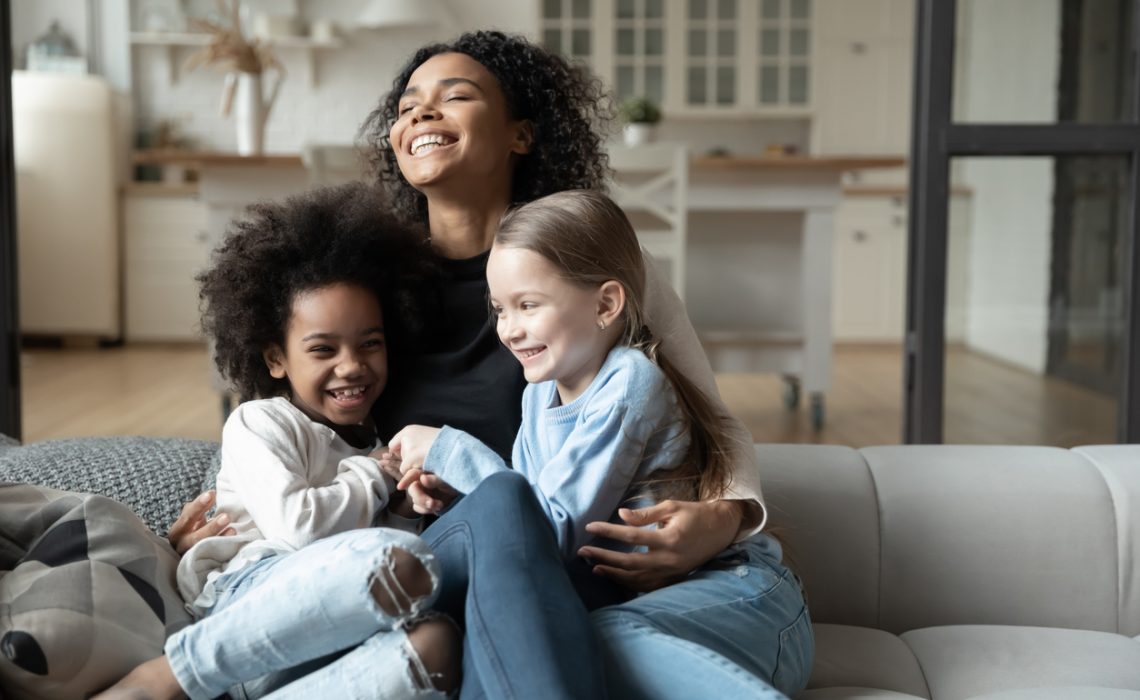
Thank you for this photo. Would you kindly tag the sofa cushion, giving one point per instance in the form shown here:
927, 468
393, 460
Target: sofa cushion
1120, 467
864, 657
847, 693
1066, 693
821, 502
964, 661
153, 476
994, 535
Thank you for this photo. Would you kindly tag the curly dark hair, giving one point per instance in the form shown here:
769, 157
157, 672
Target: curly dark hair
341, 234
568, 107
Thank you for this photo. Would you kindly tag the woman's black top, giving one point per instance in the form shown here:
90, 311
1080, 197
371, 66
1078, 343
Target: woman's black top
460, 374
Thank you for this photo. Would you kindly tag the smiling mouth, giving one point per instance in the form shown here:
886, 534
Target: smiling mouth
349, 396
525, 355
422, 145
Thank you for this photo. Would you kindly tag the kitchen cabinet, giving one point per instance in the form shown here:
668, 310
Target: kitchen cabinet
869, 292
870, 265
862, 67
167, 244
692, 57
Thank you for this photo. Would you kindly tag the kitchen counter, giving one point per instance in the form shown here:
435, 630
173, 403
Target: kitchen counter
796, 162
190, 158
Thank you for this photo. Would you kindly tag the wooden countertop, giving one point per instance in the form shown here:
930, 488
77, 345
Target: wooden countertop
173, 156
222, 158
799, 162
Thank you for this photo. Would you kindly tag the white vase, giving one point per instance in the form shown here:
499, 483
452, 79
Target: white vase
637, 134
250, 114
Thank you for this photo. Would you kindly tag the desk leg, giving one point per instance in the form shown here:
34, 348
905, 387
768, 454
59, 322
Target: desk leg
818, 233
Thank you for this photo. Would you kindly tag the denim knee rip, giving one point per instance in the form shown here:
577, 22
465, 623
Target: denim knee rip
384, 576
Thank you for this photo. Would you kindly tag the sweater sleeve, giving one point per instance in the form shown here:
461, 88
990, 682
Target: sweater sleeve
264, 454
462, 460
590, 475
666, 316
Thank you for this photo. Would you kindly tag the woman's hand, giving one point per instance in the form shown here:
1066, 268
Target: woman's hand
429, 493
192, 525
688, 534
408, 448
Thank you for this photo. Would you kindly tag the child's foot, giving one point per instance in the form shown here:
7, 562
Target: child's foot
152, 680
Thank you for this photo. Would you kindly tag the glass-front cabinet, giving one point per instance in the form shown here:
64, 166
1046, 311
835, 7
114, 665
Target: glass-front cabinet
692, 56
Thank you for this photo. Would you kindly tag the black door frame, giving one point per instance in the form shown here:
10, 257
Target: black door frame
935, 140
9, 304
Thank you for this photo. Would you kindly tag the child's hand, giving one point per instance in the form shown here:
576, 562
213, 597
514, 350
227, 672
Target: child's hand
408, 448
389, 463
428, 493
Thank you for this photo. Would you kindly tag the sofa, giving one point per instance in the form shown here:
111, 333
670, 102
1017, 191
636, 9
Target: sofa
940, 572
953, 572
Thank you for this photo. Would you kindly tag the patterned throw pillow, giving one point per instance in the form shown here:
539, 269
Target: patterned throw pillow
87, 592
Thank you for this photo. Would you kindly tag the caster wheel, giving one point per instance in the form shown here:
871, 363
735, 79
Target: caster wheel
817, 411
791, 393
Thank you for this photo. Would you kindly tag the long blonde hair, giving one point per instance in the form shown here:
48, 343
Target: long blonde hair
588, 238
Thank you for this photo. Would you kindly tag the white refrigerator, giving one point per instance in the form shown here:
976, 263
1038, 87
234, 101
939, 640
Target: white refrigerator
68, 220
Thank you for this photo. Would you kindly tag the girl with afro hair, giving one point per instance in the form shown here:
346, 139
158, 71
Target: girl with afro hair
469, 129
303, 301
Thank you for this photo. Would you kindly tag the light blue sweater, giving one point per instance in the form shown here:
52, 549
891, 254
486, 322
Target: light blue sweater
580, 458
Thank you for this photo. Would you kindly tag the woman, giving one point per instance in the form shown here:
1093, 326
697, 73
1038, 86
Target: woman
469, 129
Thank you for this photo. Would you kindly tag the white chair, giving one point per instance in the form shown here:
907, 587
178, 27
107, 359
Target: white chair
333, 164
651, 184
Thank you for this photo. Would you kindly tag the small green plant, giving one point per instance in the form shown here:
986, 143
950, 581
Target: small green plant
639, 110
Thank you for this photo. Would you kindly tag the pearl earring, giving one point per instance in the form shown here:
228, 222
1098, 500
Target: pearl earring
601, 325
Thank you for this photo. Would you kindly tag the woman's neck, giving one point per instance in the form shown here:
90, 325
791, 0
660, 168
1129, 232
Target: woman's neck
461, 228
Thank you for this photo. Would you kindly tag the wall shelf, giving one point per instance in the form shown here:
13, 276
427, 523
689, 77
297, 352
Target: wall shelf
176, 40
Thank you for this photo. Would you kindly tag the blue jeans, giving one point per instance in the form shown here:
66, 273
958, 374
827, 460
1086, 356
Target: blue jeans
527, 633
737, 627
279, 619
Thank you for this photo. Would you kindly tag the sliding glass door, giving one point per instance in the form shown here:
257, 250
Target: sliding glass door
1023, 318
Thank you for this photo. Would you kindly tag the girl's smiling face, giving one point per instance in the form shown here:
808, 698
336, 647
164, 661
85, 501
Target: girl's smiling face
550, 324
335, 357
454, 123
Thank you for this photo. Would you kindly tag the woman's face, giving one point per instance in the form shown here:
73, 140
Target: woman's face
454, 127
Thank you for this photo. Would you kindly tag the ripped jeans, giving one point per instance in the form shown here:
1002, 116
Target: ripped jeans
310, 617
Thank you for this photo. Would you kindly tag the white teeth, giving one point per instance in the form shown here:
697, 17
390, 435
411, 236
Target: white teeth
349, 393
429, 142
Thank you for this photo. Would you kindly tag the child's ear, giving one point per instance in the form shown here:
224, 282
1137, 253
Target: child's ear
275, 361
611, 302
524, 137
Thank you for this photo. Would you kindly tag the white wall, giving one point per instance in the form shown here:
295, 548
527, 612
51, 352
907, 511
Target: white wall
346, 86
1004, 80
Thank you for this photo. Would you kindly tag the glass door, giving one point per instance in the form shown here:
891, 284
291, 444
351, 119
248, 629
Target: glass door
1023, 317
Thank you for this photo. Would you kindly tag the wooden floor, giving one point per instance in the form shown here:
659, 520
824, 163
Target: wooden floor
166, 391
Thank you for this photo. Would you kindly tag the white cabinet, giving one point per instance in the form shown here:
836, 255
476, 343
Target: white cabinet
869, 283
870, 266
692, 57
863, 67
167, 244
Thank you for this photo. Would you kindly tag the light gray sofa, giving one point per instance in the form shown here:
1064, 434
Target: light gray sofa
941, 572
953, 572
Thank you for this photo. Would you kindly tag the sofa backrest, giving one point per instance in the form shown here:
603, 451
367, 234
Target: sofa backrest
905, 537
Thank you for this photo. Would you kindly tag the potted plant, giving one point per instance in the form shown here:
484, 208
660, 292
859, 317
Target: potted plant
640, 115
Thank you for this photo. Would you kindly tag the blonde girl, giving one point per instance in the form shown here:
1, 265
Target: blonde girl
606, 416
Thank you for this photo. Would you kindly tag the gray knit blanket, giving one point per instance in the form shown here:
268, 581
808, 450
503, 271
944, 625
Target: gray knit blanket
152, 476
